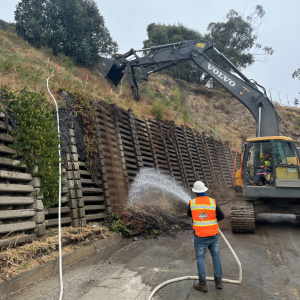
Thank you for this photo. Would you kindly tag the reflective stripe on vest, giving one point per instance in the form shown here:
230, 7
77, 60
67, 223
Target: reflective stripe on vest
267, 163
205, 223
212, 205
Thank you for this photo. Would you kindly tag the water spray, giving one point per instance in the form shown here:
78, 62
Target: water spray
151, 178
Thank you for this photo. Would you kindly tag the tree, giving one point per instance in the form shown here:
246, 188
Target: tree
160, 34
72, 27
296, 74
237, 39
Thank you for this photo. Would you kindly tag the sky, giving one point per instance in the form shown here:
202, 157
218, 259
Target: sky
127, 22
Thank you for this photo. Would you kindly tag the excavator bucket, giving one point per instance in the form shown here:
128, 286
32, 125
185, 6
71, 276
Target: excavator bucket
110, 71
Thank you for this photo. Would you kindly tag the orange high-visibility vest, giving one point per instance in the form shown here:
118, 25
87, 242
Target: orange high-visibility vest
204, 216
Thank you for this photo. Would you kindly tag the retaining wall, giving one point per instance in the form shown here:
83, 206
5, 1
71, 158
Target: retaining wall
20, 207
126, 144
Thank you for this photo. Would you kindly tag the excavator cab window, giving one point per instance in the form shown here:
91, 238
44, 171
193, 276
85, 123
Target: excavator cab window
259, 163
287, 165
284, 154
272, 163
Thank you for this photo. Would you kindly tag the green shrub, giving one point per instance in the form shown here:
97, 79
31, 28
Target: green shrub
197, 127
149, 92
108, 99
186, 116
157, 96
215, 131
29, 76
297, 120
155, 232
158, 110
69, 64
175, 227
117, 226
7, 63
36, 139
26, 265
177, 98
288, 116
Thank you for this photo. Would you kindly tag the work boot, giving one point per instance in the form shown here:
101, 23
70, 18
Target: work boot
259, 183
219, 285
251, 182
202, 288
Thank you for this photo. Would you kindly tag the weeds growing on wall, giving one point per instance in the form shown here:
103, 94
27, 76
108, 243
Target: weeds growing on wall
36, 138
85, 110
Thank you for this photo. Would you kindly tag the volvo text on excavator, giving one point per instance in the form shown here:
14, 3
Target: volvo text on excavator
267, 179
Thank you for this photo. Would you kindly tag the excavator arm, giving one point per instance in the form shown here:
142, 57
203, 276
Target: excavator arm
262, 109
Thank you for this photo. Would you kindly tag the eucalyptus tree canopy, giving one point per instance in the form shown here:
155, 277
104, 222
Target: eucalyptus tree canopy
236, 37
160, 34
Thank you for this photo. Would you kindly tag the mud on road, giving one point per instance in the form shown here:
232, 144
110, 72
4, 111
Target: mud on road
270, 260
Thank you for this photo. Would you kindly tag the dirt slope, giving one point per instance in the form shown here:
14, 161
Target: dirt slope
193, 105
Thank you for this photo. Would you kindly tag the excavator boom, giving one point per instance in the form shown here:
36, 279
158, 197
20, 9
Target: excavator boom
169, 55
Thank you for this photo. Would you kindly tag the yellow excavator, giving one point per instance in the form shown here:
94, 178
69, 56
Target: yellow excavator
266, 176
277, 185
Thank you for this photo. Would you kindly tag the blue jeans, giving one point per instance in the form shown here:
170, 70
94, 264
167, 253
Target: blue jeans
257, 178
211, 242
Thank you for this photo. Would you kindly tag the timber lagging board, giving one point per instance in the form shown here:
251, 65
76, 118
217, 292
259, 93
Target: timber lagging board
134, 143
181, 153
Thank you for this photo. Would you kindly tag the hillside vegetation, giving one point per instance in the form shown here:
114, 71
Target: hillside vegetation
215, 112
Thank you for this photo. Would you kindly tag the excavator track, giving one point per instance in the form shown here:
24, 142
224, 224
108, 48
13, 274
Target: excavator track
242, 216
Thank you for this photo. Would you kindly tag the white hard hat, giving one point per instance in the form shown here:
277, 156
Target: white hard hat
199, 187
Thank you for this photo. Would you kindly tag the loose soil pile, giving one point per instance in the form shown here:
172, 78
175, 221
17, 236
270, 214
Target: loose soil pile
14, 261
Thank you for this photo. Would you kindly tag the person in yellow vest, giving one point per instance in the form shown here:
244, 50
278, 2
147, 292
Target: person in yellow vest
206, 213
265, 167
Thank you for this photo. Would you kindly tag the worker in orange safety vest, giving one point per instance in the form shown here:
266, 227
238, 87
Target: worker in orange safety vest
206, 213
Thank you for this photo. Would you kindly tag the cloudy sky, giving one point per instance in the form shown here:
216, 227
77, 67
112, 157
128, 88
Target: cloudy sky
128, 20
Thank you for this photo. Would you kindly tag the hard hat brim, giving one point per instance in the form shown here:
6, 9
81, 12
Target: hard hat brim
200, 191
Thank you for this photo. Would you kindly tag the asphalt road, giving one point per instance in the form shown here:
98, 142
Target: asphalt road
270, 261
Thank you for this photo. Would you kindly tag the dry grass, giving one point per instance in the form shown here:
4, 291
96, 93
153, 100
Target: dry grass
14, 261
207, 108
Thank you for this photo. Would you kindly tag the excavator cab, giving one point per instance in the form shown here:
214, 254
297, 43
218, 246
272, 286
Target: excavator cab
273, 162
